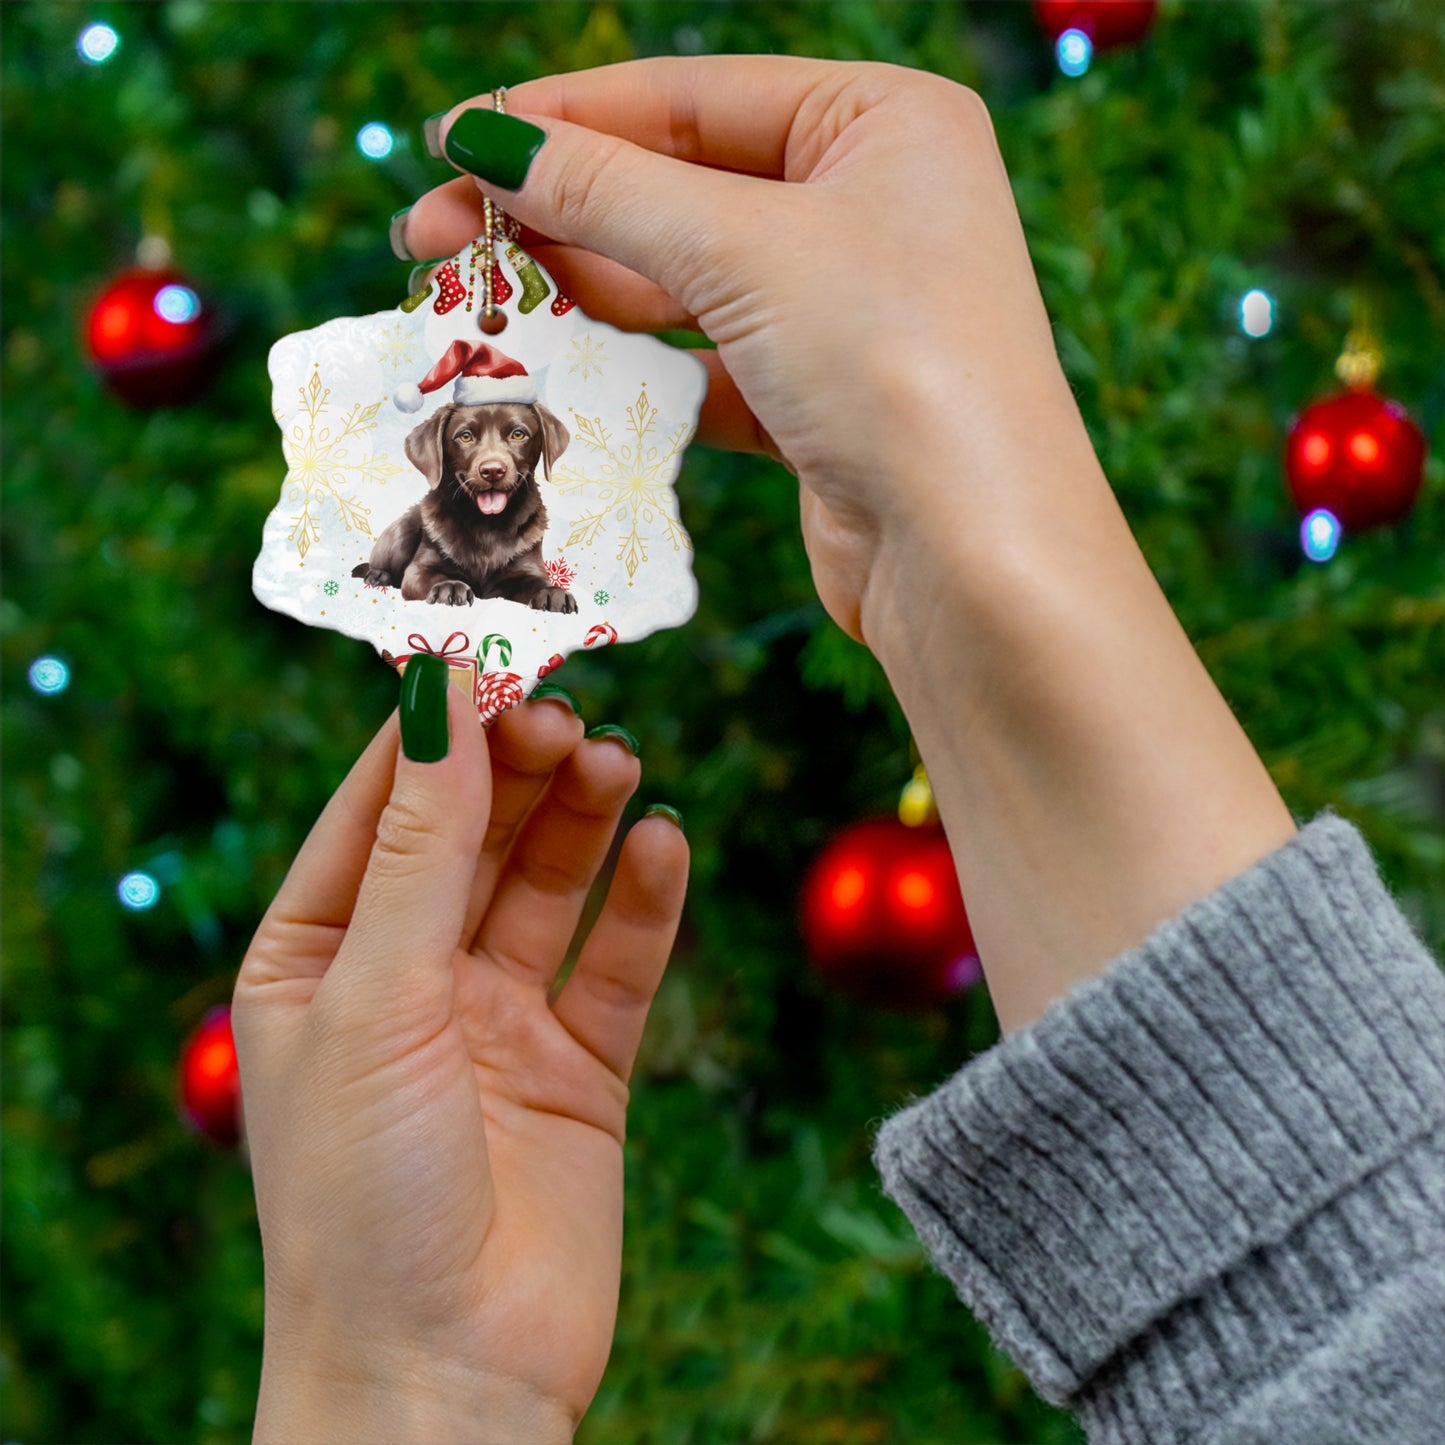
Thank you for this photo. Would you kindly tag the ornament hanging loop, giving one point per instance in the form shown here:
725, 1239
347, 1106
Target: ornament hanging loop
491, 319
1359, 363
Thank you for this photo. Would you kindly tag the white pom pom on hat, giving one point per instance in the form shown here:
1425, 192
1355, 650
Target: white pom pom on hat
482, 374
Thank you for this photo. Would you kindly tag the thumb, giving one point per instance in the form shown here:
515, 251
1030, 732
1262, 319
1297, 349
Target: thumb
663, 218
407, 923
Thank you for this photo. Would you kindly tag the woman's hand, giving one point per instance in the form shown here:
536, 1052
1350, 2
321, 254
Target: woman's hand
437, 1150
848, 236
878, 323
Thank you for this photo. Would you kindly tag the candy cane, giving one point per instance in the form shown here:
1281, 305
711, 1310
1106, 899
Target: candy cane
604, 632
496, 692
504, 650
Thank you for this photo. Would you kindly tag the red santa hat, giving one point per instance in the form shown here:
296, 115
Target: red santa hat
482, 374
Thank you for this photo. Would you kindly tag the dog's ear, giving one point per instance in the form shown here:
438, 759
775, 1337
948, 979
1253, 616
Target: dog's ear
424, 446
555, 437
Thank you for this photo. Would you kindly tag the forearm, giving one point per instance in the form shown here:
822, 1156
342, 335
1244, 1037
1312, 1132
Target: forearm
1091, 778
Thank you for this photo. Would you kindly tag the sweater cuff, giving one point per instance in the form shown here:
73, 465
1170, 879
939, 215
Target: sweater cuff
1255, 1058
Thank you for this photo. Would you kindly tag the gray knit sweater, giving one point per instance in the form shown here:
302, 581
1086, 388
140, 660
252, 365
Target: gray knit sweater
1202, 1198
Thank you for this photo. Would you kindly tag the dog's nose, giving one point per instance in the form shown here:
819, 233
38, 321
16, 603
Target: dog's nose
493, 472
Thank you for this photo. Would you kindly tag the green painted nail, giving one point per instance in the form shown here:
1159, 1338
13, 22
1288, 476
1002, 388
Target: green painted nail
612, 730
424, 685
420, 274
550, 689
397, 234
498, 148
664, 811
431, 133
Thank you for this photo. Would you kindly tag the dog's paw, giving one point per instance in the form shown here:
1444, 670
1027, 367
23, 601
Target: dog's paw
373, 576
453, 594
554, 599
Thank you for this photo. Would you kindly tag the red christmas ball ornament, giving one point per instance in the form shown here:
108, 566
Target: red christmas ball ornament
210, 1080
152, 338
883, 917
1357, 455
1107, 23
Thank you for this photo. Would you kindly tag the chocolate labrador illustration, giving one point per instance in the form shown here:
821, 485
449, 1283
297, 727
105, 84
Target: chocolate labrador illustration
478, 531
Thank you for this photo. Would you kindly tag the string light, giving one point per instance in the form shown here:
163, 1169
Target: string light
49, 675
1319, 535
1074, 51
97, 43
138, 891
177, 304
1256, 313
375, 141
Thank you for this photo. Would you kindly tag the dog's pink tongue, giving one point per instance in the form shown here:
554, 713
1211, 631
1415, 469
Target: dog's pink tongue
491, 502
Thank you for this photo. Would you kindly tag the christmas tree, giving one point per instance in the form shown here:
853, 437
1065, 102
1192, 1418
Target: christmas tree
162, 728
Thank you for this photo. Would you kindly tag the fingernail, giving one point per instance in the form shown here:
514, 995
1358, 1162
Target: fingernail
612, 730
397, 233
550, 689
498, 148
431, 133
664, 811
420, 274
424, 709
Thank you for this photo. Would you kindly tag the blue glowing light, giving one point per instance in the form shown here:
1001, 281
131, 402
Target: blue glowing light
138, 891
1319, 535
1074, 51
1256, 313
49, 675
375, 141
177, 304
97, 43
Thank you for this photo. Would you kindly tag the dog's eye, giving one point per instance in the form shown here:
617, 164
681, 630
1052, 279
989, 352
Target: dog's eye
464, 435
519, 433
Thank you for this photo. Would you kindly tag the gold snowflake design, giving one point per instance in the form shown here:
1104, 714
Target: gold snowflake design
587, 355
319, 464
633, 483
396, 346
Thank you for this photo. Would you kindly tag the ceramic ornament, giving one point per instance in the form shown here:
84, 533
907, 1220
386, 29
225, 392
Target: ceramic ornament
497, 500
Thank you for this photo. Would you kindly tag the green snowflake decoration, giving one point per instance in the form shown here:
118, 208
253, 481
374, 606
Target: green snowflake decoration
601, 598
332, 588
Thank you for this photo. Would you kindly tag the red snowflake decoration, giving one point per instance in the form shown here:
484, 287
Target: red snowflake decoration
560, 572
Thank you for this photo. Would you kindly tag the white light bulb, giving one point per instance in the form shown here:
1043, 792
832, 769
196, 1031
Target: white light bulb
1074, 50
375, 141
1256, 313
97, 43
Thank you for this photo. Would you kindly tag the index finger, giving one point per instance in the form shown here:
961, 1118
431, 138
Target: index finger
732, 112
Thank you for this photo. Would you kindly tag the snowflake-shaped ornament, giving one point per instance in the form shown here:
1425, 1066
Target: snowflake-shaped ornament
544, 457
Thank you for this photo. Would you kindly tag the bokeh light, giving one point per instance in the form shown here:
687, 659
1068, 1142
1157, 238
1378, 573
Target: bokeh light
1075, 51
97, 43
1319, 535
1256, 313
138, 891
375, 141
177, 303
49, 675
